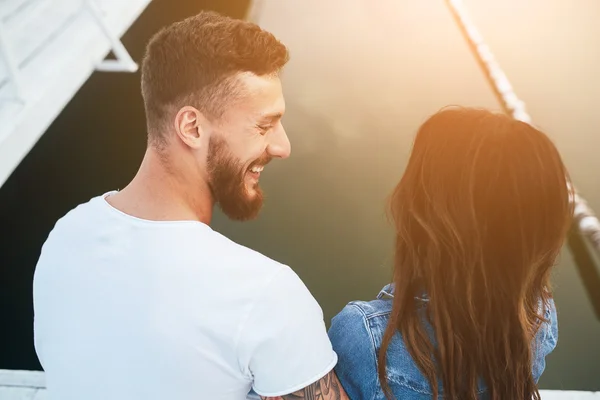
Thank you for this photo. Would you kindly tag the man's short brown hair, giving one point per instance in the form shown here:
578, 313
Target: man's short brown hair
195, 61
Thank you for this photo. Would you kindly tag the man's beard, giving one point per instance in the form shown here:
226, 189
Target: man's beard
227, 176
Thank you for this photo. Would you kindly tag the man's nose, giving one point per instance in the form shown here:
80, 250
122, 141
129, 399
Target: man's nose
279, 144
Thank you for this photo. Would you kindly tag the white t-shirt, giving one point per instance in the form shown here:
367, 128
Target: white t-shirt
131, 309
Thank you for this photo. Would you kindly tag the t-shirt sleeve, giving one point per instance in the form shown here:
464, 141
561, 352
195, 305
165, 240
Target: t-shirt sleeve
283, 343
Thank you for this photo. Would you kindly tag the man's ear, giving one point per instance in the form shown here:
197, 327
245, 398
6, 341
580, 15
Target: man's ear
188, 126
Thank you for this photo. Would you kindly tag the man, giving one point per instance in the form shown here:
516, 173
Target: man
135, 296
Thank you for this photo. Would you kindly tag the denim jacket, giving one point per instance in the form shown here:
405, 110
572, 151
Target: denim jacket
357, 332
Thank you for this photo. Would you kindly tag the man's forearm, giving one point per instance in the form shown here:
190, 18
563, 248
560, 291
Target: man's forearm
327, 388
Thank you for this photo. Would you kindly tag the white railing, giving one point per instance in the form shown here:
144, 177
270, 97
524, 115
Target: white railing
586, 220
123, 62
19, 385
11, 64
48, 50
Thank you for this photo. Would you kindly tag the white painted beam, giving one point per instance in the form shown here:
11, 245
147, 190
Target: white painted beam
55, 48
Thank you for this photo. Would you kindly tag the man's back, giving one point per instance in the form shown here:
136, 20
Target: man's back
132, 309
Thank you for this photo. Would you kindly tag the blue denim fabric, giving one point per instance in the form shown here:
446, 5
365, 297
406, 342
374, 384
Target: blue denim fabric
357, 332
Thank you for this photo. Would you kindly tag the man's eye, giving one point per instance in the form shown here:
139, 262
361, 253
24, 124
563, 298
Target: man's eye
264, 128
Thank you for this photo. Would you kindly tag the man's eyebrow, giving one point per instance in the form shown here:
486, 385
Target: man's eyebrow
271, 117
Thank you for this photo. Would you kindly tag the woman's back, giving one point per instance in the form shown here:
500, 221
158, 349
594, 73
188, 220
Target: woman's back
357, 334
480, 216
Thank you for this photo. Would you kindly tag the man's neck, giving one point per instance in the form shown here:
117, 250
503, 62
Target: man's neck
158, 193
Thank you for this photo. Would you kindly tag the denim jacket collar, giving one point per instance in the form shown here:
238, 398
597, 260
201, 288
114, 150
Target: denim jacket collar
388, 291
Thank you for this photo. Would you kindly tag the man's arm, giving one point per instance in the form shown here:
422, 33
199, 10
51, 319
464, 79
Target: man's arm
327, 388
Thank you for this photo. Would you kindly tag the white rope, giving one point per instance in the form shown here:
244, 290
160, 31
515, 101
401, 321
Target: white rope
584, 216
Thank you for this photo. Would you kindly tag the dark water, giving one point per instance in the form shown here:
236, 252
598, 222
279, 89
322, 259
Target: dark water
360, 81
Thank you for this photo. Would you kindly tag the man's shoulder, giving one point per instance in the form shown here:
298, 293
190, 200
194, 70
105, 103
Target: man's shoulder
233, 251
252, 273
80, 212
79, 217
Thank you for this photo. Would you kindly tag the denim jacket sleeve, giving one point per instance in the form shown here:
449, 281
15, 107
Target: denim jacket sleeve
357, 360
546, 341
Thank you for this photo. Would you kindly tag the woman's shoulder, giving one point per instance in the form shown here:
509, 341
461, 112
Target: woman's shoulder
360, 312
352, 333
356, 334
363, 322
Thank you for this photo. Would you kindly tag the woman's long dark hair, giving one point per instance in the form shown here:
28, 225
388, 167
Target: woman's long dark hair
481, 214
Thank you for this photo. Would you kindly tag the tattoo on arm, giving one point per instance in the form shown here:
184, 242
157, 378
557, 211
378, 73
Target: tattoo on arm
328, 388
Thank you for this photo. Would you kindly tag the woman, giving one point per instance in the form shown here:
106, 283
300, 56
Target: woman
480, 214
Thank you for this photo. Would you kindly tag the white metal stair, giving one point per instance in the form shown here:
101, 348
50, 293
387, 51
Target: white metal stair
48, 49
